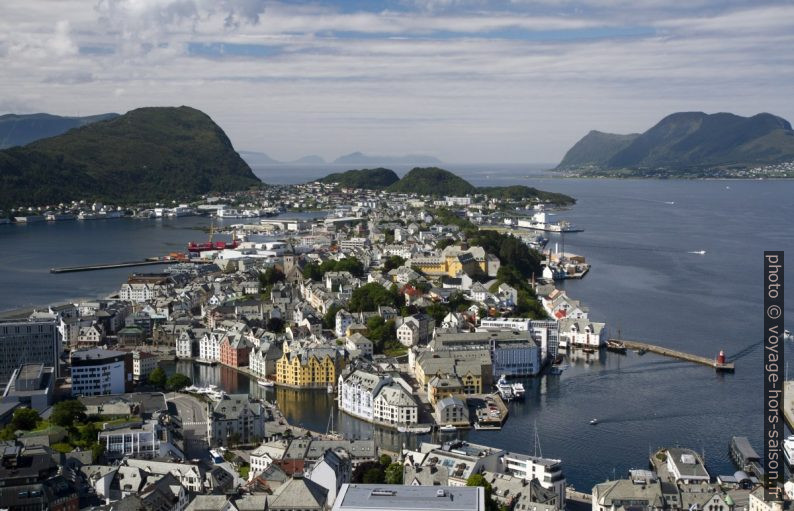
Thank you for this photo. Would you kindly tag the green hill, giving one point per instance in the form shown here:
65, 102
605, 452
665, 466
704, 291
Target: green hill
148, 154
688, 142
368, 179
595, 149
23, 129
432, 181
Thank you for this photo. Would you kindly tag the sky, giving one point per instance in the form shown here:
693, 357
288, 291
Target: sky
467, 81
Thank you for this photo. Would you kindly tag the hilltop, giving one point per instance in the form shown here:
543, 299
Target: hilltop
432, 181
368, 179
686, 143
16, 130
438, 182
147, 154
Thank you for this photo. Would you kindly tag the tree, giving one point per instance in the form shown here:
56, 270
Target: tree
385, 460
369, 296
271, 276
24, 419
393, 262
178, 381
373, 476
394, 474
329, 320
89, 433
479, 480
275, 325
67, 413
157, 378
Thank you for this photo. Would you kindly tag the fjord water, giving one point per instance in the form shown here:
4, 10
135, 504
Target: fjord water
643, 281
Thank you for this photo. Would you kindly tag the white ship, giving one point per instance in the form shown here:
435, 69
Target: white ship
518, 390
504, 389
788, 450
265, 383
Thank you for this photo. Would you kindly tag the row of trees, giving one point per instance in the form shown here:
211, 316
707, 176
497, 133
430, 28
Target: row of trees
315, 271
379, 472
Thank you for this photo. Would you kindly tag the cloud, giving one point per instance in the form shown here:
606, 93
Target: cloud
464, 80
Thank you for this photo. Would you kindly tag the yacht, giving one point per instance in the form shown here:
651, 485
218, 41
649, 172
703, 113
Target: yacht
518, 390
265, 383
447, 428
788, 450
504, 389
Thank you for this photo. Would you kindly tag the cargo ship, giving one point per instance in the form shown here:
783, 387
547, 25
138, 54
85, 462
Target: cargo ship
195, 248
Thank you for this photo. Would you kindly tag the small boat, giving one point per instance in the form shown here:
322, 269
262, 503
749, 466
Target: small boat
593, 422
447, 428
265, 383
616, 346
518, 390
486, 427
698, 252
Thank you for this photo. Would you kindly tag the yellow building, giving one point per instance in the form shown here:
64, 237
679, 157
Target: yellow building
452, 261
310, 368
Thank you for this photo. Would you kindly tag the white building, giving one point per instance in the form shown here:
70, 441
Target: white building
147, 441
343, 320
210, 346
547, 471
408, 334
142, 364
582, 332
377, 398
190, 476
184, 345
358, 342
97, 372
331, 472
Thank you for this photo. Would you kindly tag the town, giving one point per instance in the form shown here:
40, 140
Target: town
417, 314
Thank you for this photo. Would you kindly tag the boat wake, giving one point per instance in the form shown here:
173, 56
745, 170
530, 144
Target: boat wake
697, 252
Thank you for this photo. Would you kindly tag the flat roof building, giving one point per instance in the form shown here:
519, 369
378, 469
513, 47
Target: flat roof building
367, 497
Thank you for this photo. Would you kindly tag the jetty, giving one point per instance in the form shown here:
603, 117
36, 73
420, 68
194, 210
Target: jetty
110, 266
719, 363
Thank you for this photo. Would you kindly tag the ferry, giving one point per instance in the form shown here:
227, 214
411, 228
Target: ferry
265, 383
504, 389
788, 450
447, 428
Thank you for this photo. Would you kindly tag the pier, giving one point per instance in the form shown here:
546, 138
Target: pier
110, 266
716, 363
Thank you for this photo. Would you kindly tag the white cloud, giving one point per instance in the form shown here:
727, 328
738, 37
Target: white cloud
404, 81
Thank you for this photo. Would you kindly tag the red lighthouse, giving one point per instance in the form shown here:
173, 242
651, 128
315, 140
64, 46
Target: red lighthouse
721, 358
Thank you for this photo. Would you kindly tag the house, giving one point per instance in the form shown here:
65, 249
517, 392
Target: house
143, 363
308, 367
147, 440
343, 320
332, 471
581, 333
360, 344
298, 494
451, 410
236, 418
90, 336
235, 350
408, 334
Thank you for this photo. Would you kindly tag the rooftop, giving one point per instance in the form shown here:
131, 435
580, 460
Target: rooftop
413, 498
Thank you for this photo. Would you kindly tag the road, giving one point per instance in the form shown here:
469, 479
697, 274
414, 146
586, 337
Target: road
193, 415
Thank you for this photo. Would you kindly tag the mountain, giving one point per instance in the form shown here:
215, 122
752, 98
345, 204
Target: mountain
368, 179
684, 142
436, 181
360, 159
23, 129
253, 158
595, 149
147, 154
432, 181
311, 159
261, 159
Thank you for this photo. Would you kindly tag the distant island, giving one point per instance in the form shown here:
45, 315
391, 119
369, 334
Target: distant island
437, 182
16, 130
690, 144
261, 159
358, 158
147, 154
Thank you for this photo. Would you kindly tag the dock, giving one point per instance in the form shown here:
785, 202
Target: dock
110, 266
715, 363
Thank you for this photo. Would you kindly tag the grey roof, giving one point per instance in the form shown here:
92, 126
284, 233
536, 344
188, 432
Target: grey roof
300, 493
413, 498
207, 503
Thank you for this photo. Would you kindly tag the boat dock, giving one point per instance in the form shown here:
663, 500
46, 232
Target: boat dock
718, 363
110, 266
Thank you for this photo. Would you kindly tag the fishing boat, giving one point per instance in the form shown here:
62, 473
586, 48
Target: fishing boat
265, 383
448, 428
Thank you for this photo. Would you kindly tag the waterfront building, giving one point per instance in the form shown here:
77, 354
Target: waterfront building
142, 288
395, 404
187, 344
35, 341
145, 440
451, 410
234, 350
513, 353
377, 398
210, 346
96, 372
366, 497
547, 471
143, 363
582, 333
262, 359
308, 367
686, 466
31, 385
236, 417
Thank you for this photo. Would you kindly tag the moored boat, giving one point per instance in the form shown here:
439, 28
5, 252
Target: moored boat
265, 383
448, 428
